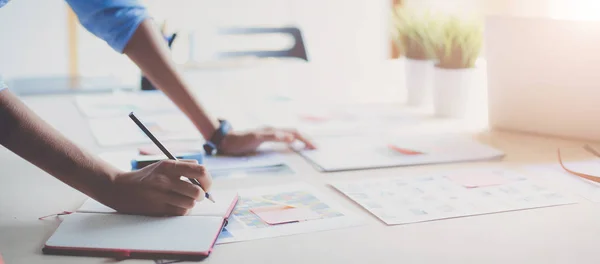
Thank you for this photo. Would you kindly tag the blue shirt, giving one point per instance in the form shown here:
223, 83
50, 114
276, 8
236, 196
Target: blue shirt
113, 21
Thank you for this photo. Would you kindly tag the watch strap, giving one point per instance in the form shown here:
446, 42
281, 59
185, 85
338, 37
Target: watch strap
212, 145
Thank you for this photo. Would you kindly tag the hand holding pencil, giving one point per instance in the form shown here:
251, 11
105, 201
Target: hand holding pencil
158, 190
164, 149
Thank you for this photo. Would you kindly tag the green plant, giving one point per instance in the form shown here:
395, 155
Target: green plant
458, 43
414, 32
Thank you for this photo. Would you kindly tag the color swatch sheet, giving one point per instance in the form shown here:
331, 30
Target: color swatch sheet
459, 193
122, 103
289, 209
562, 179
118, 131
367, 152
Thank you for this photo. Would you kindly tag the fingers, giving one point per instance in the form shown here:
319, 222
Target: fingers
276, 136
287, 136
174, 210
187, 189
301, 138
189, 161
178, 200
153, 202
176, 169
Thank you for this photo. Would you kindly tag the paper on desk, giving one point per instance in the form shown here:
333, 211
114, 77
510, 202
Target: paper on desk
477, 179
319, 211
119, 131
434, 196
556, 175
122, 103
261, 160
336, 120
365, 152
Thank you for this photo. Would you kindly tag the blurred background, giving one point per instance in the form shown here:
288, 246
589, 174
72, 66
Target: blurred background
349, 44
39, 40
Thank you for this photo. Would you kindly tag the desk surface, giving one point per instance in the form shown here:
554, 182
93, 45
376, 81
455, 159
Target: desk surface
565, 234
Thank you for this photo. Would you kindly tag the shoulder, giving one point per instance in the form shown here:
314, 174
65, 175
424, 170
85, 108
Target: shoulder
3, 2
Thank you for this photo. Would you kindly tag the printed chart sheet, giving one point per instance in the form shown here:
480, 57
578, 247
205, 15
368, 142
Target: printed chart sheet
459, 193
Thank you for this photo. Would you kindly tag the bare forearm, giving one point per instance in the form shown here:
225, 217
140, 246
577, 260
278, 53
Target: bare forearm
149, 51
28, 136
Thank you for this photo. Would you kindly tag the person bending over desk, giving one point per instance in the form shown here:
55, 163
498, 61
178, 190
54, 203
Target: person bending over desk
154, 190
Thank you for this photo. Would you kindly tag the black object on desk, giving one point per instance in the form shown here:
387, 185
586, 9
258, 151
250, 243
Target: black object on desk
146, 84
296, 51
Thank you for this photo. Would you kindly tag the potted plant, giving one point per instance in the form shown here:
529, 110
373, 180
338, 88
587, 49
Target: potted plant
413, 34
457, 48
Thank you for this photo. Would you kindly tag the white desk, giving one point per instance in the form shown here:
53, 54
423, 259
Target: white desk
566, 234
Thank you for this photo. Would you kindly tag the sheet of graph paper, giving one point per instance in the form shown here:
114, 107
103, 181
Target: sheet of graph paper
418, 198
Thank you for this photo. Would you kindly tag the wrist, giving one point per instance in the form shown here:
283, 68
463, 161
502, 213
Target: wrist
209, 128
214, 143
104, 189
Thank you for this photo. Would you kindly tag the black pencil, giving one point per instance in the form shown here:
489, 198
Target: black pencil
163, 149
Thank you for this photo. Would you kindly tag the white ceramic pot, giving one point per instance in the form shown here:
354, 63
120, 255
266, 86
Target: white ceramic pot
419, 81
451, 89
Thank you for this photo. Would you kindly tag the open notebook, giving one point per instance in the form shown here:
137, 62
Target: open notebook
97, 230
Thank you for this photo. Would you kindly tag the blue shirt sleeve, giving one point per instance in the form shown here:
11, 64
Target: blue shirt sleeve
114, 21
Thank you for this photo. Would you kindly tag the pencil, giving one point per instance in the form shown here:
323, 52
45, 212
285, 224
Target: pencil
164, 149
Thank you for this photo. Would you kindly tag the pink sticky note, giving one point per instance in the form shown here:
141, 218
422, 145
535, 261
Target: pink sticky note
481, 179
284, 214
315, 118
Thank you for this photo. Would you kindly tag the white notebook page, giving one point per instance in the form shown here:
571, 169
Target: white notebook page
137, 233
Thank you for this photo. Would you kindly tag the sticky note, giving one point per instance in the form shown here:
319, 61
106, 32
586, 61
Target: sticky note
404, 150
480, 179
274, 215
314, 118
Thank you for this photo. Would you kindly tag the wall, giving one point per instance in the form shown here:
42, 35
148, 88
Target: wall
33, 38
336, 31
569, 9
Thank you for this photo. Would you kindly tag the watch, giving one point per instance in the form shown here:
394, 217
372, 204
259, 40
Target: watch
211, 147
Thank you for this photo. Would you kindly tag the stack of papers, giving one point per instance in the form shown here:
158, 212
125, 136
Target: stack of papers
367, 152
